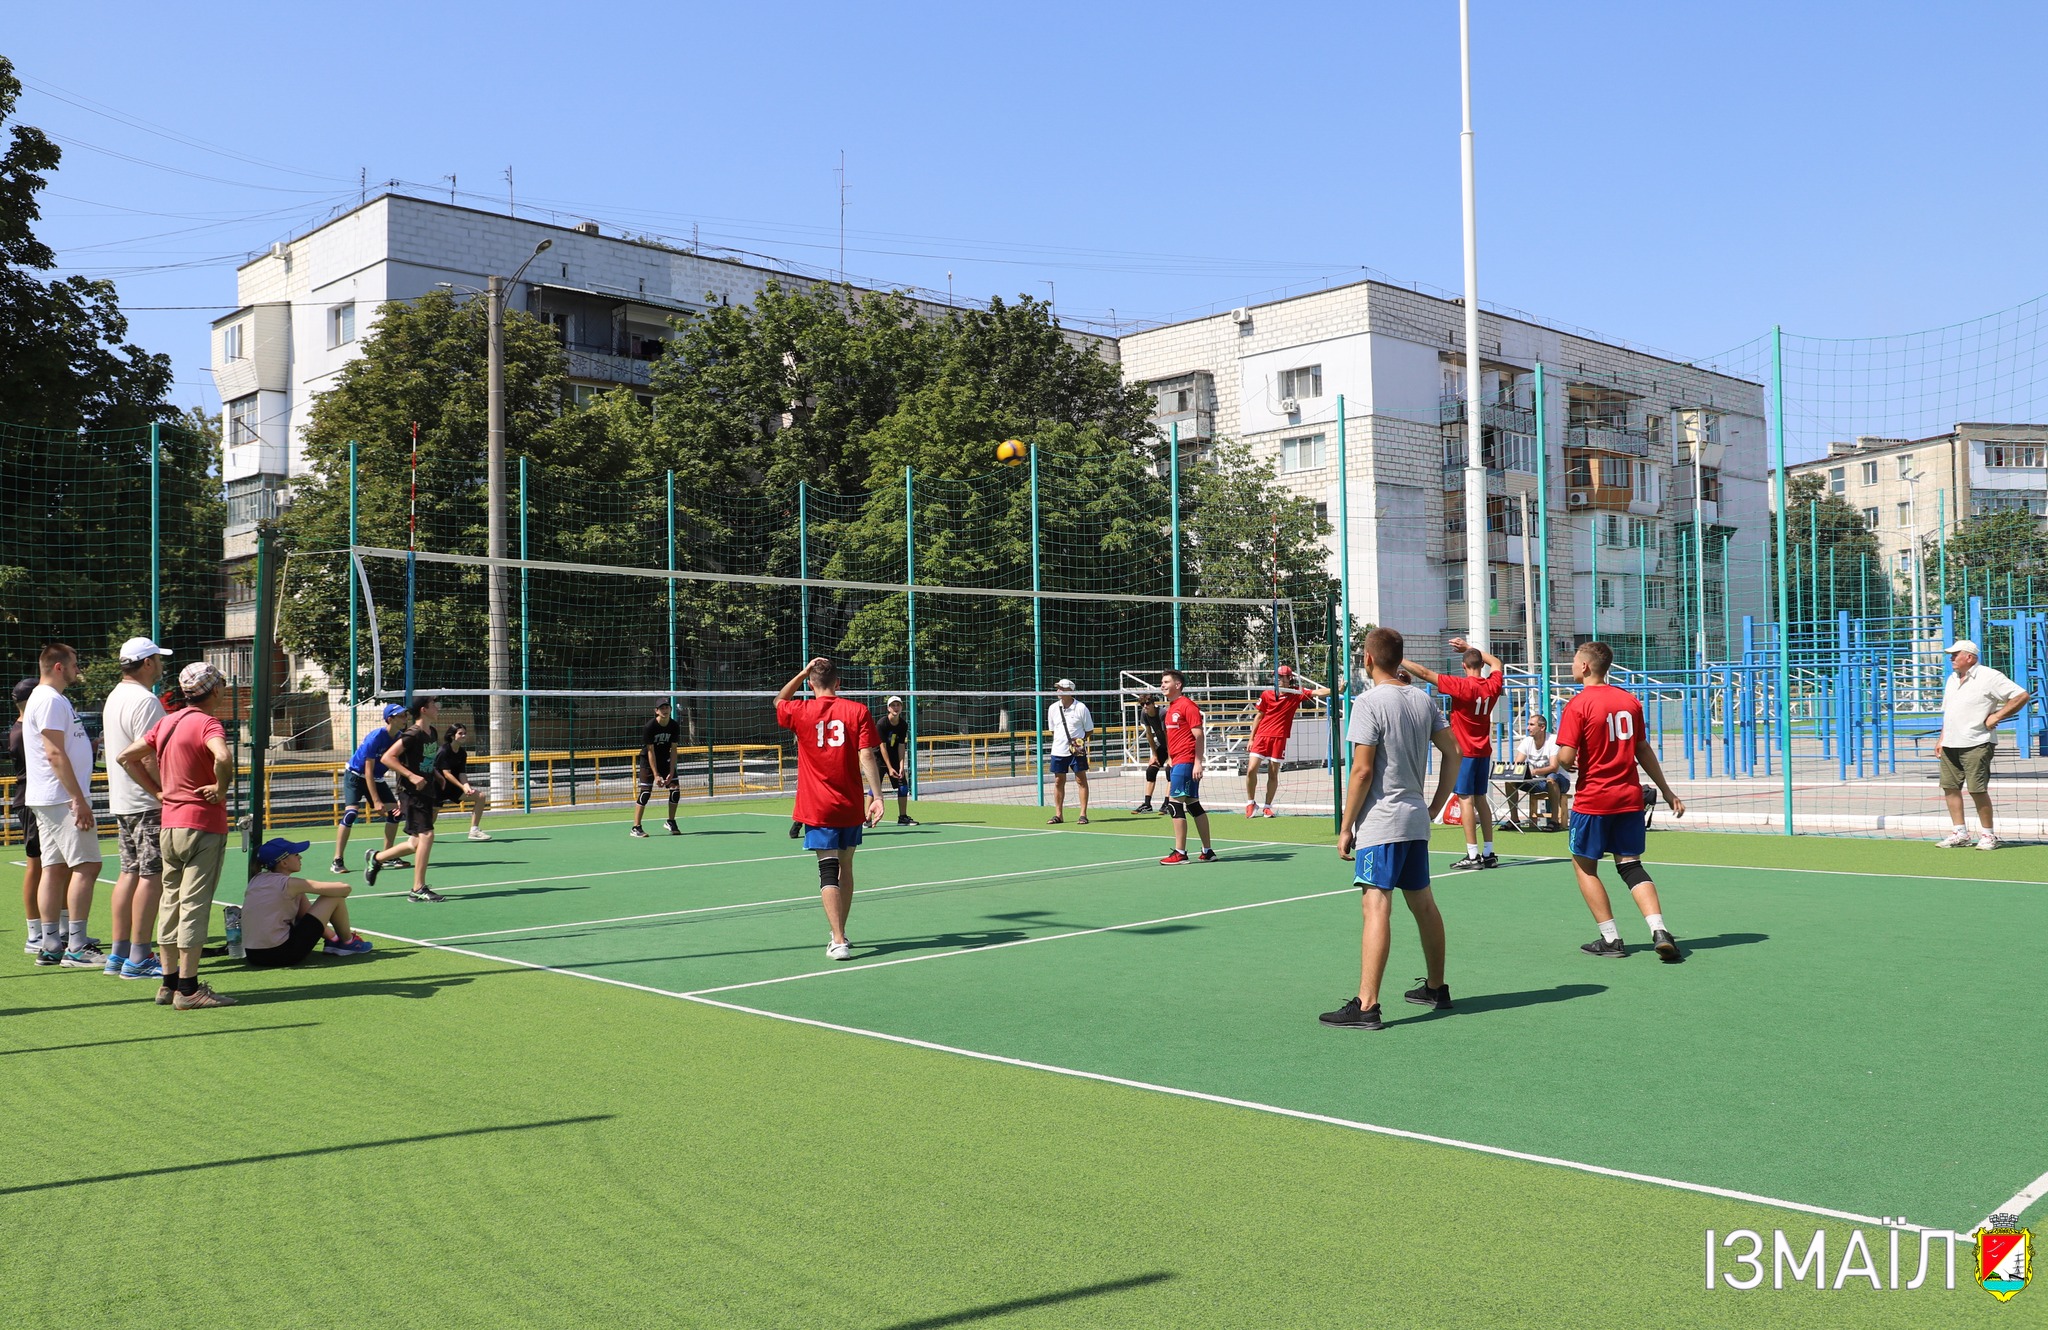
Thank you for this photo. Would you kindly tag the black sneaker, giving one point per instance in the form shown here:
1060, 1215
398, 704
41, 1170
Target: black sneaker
337, 866
1468, 862
1600, 946
425, 894
1144, 807
370, 867
638, 833
1667, 947
1206, 857
1352, 1016
50, 957
673, 829
905, 820
1489, 861
796, 831
1436, 999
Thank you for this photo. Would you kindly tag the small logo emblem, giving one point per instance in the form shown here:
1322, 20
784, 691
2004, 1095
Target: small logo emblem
2005, 1256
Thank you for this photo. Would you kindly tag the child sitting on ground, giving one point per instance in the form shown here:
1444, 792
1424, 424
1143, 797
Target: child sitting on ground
284, 916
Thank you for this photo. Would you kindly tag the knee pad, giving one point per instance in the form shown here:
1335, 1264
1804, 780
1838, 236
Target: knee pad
642, 797
349, 815
1151, 772
1633, 873
1173, 809
1194, 808
674, 797
828, 872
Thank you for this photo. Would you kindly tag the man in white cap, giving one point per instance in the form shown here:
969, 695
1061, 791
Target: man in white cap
1975, 701
59, 770
131, 709
1071, 724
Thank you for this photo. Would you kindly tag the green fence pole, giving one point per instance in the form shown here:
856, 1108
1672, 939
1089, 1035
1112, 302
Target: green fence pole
1333, 708
1592, 564
156, 547
525, 663
1813, 561
672, 594
354, 702
910, 581
1727, 614
1784, 605
1173, 483
1941, 541
1038, 639
803, 570
1341, 680
1643, 603
1543, 538
262, 690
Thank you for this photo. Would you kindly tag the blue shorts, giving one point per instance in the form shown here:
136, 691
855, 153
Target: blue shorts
1618, 834
355, 790
1181, 782
831, 838
1401, 863
1077, 764
1472, 776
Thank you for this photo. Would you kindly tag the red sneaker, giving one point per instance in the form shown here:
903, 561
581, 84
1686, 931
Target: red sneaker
1177, 857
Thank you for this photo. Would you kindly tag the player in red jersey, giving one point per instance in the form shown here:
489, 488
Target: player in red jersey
838, 784
1473, 696
1601, 733
1184, 746
1276, 707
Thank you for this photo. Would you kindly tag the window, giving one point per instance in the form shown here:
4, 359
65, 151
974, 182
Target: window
1303, 453
1710, 484
2013, 454
1870, 473
1649, 484
1492, 584
1905, 514
341, 324
1304, 382
1904, 561
1715, 596
1606, 601
1322, 512
1653, 595
1180, 400
2008, 501
1653, 428
1512, 451
231, 342
1454, 381
1838, 479
1614, 473
241, 422
253, 499
1579, 472
1454, 581
1870, 514
1905, 464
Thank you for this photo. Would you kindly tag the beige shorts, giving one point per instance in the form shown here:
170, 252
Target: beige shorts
1967, 768
64, 841
192, 863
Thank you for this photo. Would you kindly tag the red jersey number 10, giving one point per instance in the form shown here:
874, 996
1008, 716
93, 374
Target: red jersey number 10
832, 733
1621, 726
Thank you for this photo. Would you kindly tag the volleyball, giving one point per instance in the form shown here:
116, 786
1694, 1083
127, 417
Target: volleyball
1010, 452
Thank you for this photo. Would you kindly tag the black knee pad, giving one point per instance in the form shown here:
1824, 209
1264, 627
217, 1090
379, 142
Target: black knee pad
1632, 873
1195, 809
1173, 809
643, 797
1151, 772
674, 797
828, 872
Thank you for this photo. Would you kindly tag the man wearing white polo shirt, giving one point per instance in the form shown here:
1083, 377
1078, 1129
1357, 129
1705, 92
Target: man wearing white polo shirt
1071, 724
1975, 701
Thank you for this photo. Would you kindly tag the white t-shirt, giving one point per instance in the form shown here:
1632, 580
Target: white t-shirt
1527, 751
1070, 725
131, 710
1966, 702
49, 709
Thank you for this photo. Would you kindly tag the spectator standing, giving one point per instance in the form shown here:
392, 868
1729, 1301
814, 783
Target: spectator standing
130, 711
1071, 723
1975, 701
24, 821
184, 761
59, 754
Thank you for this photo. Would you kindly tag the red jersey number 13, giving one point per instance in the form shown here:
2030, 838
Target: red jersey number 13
832, 733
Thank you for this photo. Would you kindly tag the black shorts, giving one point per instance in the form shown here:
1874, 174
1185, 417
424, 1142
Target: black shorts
643, 779
416, 810
306, 934
31, 834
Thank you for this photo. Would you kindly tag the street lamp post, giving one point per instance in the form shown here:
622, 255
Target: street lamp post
501, 630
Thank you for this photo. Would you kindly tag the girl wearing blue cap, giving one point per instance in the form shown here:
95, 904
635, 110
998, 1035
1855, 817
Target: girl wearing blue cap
285, 917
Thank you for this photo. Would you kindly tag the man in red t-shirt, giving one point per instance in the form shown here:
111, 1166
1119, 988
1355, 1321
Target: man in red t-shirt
1474, 695
1276, 707
184, 761
1184, 747
835, 766
1601, 733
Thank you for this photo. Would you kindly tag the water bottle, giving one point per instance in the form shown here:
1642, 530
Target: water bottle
231, 916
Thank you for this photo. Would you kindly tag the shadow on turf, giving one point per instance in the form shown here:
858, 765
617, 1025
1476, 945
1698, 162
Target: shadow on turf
1719, 940
310, 1153
1481, 1003
154, 1038
995, 1309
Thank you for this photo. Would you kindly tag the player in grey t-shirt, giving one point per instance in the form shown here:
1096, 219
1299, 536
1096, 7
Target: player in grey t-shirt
1386, 824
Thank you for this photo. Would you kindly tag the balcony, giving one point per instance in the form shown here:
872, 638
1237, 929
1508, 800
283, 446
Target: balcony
1515, 419
1607, 439
609, 368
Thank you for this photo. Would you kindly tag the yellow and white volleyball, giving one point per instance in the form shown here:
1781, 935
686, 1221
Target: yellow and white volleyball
1011, 452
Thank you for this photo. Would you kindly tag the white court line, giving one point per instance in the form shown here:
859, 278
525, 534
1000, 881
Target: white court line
1199, 1095
715, 863
863, 892
2018, 1205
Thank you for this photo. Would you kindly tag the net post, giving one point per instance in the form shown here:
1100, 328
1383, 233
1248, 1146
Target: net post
1335, 704
156, 508
1784, 707
1643, 607
1543, 536
525, 664
803, 569
1941, 541
1173, 484
910, 597
1038, 641
262, 687
348, 573
671, 592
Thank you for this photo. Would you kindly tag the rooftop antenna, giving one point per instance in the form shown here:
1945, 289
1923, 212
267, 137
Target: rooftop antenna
842, 216
451, 186
949, 287
511, 197
362, 185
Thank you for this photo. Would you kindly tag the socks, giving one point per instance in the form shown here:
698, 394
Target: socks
1655, 921
1962, 830
35, 930
118, 951
1471, 850
53, 940
1489, 847
188, 986
78, 935
1610, 931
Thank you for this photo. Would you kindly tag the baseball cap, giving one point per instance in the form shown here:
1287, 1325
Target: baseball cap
395, 709
1286, 671
198, 679
1963, 644
893, 700
277, 847
1065, 685
23, 690
664, 705
138, 649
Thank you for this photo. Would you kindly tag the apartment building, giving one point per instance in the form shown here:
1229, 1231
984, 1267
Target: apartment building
1619, 434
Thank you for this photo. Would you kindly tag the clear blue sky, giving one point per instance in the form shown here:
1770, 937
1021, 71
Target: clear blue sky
1681, 175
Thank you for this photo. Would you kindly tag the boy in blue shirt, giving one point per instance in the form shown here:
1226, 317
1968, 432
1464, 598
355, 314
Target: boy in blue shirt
360, 781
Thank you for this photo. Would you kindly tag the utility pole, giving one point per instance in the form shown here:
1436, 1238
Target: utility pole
500, 651
1476, 552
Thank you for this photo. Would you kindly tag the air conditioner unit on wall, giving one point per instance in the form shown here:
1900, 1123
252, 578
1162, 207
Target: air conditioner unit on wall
1578, 499
1240, 315
1288, 406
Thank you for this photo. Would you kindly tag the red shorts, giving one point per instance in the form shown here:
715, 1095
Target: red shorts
1276, 749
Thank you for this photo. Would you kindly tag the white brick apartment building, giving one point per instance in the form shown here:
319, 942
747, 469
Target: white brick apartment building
1618, 430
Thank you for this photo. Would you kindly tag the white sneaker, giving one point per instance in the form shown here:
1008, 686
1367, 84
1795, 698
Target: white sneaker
839, 951
1988, 841
478, 833
1955, 840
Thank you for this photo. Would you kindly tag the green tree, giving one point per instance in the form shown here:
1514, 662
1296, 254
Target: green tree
1850, 567
1247, 536
1987, 554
